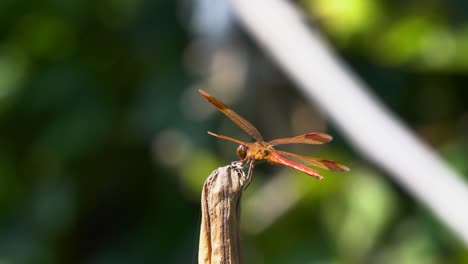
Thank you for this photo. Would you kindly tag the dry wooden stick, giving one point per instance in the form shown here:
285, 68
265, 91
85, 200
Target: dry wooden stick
220, 224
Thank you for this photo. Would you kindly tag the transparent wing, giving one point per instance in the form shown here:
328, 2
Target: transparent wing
318, 162
232, 139
276, 158
309, 138
239, 120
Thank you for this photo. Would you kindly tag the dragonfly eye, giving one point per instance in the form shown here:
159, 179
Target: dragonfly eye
242, 151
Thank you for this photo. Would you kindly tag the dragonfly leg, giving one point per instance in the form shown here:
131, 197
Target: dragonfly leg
249, 177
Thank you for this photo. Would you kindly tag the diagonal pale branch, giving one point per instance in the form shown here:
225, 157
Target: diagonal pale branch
372, 129
220, 224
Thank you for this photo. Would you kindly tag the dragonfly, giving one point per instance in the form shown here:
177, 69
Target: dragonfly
260, 150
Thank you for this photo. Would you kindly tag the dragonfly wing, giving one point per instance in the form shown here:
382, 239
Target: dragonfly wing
239, 120
276, 158
318, 162
309, 138
232, 139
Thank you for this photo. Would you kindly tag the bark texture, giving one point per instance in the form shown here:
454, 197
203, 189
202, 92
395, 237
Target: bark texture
220, 224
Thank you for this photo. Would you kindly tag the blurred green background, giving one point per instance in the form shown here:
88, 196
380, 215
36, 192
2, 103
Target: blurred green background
103, 144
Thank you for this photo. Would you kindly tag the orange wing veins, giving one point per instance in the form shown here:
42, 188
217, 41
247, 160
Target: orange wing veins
236, 118
231, 139
309, 138
276, 158
318, 162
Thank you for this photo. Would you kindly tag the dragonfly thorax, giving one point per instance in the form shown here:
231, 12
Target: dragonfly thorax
258, 152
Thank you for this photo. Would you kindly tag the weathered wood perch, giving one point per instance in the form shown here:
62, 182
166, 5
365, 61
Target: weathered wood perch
220, 224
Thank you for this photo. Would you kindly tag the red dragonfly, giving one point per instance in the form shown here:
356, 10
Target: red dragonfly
262, 150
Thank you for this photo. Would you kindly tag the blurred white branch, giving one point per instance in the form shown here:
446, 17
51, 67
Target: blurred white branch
371, 128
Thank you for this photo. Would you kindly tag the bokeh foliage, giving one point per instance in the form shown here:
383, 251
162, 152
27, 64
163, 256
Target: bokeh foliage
102, 157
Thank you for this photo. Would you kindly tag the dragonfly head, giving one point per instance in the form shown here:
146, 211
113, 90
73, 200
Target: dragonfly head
242, 151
